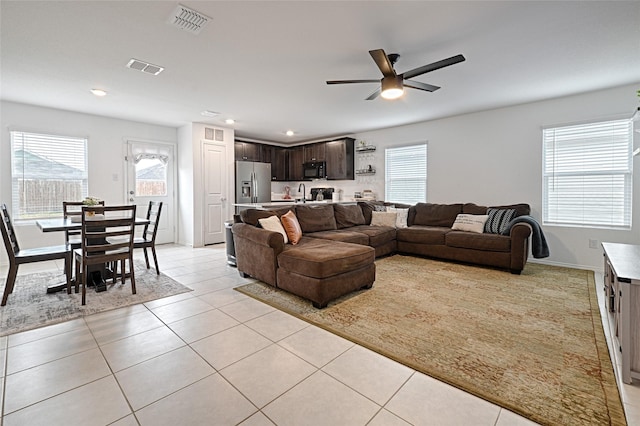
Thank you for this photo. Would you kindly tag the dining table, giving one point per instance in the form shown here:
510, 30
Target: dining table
59, 224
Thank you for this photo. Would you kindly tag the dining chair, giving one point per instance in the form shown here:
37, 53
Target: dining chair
107, 235
148, 238
73, 210
18, 256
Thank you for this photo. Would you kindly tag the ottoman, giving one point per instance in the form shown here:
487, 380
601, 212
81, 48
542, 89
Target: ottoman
323, 270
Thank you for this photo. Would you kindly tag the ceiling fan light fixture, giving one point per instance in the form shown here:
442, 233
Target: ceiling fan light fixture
392, 87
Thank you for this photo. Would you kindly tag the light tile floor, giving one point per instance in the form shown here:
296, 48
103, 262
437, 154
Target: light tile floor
216, 357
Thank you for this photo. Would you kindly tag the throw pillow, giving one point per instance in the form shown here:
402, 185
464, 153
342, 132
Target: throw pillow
470, 222
273, 224
378, 208
383, 219
401, 216
292, 227
498, 220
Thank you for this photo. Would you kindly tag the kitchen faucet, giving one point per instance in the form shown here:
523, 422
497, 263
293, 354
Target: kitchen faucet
304, 192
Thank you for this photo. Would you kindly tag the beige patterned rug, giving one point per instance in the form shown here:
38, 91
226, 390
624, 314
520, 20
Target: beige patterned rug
532, 343
29, 306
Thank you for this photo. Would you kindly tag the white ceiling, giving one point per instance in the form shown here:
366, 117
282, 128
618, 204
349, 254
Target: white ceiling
265, 63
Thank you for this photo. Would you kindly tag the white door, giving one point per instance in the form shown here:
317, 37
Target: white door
215, 188
150, 177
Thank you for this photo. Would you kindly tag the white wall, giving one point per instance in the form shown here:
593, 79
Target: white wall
495, 157
191, 191
106, 136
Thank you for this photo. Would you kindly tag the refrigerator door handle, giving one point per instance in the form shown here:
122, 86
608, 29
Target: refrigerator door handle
254, 197
255, 183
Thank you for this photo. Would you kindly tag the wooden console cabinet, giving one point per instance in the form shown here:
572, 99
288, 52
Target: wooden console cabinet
622, 292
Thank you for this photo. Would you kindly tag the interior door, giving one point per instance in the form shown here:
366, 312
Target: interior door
215, 188
150, 176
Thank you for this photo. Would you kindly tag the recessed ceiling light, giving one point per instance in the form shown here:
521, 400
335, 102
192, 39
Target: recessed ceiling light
99, 92
208, 113
230, 121
290, 133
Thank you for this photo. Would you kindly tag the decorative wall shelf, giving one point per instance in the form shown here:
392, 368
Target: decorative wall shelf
366, 148
366, 172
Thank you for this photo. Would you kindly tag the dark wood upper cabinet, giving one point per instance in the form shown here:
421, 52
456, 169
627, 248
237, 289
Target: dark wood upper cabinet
314, 152
247, 151
340, 159
277, 156
296, 158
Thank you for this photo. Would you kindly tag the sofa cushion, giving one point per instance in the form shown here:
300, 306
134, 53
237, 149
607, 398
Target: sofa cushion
429, 214
251, 216
423, 234
292, 227
322, 258
485, 242
378, 235
348, 215
498, 220
521, 209
272, 223
343, 235
470, 222
316, 218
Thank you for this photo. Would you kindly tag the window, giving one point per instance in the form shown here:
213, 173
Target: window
587, 172
151, 175
45, 171
406, 174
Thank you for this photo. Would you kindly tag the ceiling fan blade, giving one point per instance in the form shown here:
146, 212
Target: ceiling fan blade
382, 61
374, 94
421, 86
434, 66
351, 81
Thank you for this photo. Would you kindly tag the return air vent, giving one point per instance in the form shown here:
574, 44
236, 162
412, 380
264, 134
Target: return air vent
213, 134
188, 19
136, 64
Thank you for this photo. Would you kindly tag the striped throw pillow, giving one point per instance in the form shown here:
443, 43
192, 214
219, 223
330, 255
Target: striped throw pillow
498, 220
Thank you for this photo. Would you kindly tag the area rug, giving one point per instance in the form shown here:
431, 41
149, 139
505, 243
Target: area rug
29, 306
531, 343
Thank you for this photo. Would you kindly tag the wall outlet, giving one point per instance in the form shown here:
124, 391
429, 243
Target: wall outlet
593, 243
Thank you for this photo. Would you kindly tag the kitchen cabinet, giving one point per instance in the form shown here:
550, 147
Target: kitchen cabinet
277, 156
247, 151
296, 158
340, 159
314, 152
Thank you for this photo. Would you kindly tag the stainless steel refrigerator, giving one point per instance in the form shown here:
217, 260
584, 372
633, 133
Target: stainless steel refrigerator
253, 182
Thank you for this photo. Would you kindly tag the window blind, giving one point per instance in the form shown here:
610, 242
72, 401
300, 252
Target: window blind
45, 171
406, 174
588, 174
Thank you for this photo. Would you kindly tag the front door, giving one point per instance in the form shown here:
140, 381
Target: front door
215, 188
150, 176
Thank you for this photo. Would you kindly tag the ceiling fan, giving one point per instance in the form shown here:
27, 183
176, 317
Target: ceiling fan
392, 84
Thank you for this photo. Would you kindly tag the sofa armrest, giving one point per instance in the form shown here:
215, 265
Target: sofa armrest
519, 234
257, 251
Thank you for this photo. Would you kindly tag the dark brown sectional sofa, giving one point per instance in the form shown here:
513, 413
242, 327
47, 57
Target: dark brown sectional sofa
336, 253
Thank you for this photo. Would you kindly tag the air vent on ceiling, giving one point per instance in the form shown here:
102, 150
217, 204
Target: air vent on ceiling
143, 66
214, 134
188, 19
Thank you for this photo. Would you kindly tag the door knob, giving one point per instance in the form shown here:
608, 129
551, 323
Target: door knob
130, 192
131, 199
223, 199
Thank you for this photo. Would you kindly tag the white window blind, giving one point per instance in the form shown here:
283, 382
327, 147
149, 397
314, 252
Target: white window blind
587, 171
45, 171
406, 174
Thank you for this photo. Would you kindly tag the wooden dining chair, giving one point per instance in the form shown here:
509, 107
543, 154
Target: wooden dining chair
18, 256
106, 238
148, 238
73, 210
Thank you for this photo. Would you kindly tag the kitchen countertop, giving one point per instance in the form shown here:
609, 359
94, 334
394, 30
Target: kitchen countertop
285, 203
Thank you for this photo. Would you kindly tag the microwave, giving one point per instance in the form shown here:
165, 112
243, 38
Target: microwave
314, 170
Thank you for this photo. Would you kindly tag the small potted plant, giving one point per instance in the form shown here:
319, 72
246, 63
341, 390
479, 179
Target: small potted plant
91, 201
